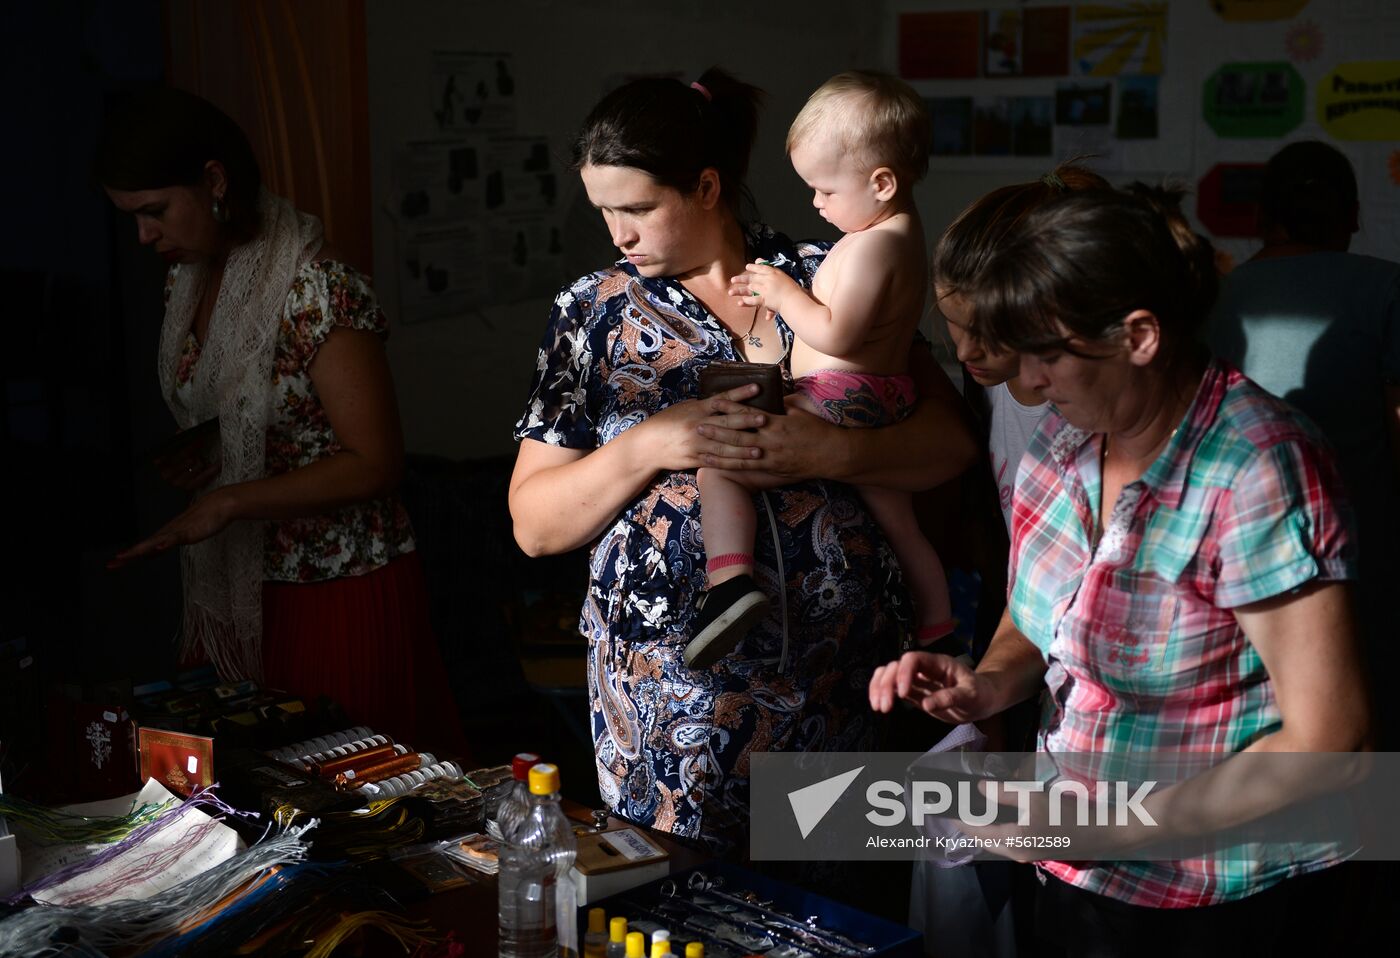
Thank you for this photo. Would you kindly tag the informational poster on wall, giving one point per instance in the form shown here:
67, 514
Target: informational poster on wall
475, 207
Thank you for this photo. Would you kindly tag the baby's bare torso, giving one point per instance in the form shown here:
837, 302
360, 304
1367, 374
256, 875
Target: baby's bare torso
895, 287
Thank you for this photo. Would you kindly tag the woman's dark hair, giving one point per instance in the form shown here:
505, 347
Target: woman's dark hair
979, 231
1309, 192
163, 137
1083, 261
673, 131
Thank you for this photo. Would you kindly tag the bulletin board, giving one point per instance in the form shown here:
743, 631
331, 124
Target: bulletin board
1201, 92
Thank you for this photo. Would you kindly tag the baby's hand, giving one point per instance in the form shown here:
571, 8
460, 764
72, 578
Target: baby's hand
763, 285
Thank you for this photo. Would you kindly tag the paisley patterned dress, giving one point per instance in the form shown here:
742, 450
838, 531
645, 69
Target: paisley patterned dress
672, 745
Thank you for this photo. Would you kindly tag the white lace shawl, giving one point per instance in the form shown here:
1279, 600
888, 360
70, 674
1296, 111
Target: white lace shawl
223, 575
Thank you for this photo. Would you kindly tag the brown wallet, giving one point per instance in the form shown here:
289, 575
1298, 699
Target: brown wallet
721, 376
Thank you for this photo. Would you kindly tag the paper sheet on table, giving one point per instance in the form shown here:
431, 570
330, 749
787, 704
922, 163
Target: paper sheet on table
218, 843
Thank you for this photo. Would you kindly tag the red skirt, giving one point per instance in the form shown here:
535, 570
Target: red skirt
367, 643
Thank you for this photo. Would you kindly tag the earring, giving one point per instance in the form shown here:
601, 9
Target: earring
220, 213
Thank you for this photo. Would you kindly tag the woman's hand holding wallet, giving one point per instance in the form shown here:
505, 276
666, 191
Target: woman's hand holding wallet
721, 376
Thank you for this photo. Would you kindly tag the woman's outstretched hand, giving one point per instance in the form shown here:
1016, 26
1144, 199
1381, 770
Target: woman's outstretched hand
939, 684
206, 517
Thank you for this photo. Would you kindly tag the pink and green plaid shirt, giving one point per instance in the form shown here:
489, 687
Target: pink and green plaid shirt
1137, 628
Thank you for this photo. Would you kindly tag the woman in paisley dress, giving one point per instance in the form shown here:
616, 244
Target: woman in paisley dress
298, 557
614, 432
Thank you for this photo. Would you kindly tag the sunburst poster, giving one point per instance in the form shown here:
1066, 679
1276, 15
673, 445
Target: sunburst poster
1126, 39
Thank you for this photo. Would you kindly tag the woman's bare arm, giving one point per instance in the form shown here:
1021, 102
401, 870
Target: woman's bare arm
561, 499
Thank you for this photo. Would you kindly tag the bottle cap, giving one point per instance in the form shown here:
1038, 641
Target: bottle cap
521, 764
597, 921
695, 949
544, 779
636, 945
660, 947
661, 934
617, 930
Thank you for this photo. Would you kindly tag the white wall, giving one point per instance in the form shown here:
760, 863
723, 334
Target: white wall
462, 381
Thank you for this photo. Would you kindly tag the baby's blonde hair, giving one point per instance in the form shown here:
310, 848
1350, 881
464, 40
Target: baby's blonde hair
876, 118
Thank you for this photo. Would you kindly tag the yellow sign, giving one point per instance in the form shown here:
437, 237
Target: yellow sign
1256, 10
1361, 101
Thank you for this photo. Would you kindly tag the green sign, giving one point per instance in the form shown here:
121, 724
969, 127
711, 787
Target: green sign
1253, 100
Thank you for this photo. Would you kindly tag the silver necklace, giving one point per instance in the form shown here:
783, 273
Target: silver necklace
750, 337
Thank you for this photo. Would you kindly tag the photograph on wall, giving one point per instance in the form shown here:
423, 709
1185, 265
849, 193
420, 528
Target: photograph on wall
991, 126
951, 118
1120, 39
1045, 41
1253, 100
939, 45
1032, 125
1137, 108
1001, 44
1083, 104
473, 92
1361, 101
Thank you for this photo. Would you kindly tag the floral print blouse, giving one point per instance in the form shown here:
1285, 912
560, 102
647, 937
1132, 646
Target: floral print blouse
672, 744
351, 540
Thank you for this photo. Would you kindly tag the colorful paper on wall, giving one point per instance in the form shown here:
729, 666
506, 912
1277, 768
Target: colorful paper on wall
952, 125
1045, 41
1253, 100
1137, 108
1256, 10
1361, 101
938, 45
1128, 38
1001, 45
991, 126
1083, 104
1032, 125
1227, 199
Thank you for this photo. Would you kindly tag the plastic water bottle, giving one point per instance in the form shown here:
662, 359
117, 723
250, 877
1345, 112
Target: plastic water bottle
533, 859
515, 804
617, 937
595, 940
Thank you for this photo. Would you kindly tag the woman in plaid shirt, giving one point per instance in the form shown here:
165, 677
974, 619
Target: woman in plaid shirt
1178, 579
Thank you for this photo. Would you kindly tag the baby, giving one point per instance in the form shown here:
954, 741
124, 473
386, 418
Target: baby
860, 143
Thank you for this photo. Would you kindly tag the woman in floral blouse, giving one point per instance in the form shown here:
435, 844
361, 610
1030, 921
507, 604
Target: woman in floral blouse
297, 554
614, 432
